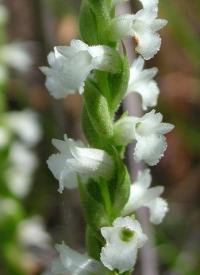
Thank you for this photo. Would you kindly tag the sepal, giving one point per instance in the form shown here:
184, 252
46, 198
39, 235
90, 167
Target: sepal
118, 84
93, 206
89, 131
93, 242
98, 111
88, 24
100, 14
120, 188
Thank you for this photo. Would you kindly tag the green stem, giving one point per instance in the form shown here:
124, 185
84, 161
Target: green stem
3, 102
114, 273
117, 273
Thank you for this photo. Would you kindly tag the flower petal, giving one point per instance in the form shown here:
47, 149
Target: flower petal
150, 149
118, 253
73, 263
165, 128
148, 43
91, 161
158, 24
74, 160
158, 209
105, 58
62, 77
149, 93
110, 258
149, 4
56, 164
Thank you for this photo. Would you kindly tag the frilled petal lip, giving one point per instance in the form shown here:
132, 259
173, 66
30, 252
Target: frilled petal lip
148, 91
158, 148
117, 254
110, 259
158, 209
148, 43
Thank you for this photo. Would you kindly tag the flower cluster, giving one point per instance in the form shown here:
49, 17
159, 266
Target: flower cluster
100, 72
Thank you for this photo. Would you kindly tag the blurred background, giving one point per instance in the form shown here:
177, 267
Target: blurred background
33, 215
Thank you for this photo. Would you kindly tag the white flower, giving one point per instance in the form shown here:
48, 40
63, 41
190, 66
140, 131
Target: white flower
148, 131
25, 124
32, 233
16, 56
149, 134
142, 195
143, 26
141, 81
70, 66
20, 173
122, 242
74, 160
73, 263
